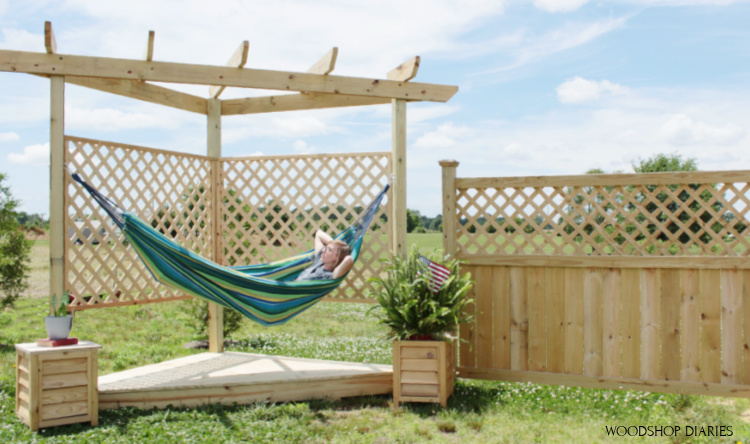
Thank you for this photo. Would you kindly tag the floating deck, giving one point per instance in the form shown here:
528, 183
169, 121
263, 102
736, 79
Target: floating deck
242, 378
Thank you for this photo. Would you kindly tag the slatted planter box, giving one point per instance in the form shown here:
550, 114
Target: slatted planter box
56, 386
423, 371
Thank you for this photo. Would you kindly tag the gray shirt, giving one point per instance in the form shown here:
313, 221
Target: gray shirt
315, 272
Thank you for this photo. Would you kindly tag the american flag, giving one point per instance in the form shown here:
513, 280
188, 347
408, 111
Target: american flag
438, 273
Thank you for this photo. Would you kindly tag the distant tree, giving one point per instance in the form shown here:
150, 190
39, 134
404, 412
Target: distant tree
664, 163
15, 249
413, 220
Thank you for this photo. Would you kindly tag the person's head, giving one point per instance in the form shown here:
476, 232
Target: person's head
333, 253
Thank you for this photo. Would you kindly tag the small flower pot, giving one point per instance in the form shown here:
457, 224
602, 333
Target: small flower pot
58, 327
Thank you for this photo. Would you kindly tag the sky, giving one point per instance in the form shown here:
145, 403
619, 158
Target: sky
546, 87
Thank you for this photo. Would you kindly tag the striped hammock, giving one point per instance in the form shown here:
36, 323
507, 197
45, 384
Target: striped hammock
264, 293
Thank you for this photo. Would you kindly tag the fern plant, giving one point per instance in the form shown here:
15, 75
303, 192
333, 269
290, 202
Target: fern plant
60, 308
409, 307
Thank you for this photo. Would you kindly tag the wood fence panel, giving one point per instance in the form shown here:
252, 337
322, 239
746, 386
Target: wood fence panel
690, 325
650, 323
746, 325
592, 322
573, 288
467, 332
731, 326
519, 322
631, 323
710, 303
537, 319
670, 325
501, 315
555, 295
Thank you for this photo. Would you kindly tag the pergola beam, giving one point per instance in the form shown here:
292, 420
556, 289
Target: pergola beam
238, 60
295, 102
143, 91
57, 64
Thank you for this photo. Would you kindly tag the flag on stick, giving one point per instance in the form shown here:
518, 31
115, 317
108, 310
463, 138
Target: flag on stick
438, 273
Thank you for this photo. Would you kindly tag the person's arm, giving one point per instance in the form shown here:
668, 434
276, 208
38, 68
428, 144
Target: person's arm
321, 240
342, 268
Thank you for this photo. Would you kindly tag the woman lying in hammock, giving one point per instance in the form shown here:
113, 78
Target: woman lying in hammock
332, 259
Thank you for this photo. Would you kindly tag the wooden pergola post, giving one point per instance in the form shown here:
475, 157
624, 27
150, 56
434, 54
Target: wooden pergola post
215, 311
57, 185
398, 191
449, 206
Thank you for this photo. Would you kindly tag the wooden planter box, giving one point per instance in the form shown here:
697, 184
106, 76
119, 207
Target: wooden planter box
423, 371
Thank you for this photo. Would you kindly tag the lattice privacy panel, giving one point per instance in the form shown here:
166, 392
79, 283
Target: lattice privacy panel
270, 209
171, 190
687, 219
273, 206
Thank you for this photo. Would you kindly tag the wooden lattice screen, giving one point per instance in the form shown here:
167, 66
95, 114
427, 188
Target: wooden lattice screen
270, 208
637, 281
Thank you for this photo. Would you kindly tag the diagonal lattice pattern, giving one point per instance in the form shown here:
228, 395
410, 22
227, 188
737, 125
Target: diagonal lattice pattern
273, 206
703, 219
270, 208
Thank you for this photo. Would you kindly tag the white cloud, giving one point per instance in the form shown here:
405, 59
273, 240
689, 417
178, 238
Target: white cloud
559, 5
32, 155
301, 147
444, 136
21, 40
681, 129
300, 126
8, 137
579, 90
108, 119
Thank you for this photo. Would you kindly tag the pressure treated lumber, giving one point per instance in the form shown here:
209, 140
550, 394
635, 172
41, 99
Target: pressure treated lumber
326, 64
295, 102
238, 60
149, 53
49, 64
405, 71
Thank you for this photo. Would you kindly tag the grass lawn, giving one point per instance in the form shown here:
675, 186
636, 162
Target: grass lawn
479, 411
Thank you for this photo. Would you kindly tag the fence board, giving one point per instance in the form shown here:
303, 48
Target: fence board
611, 345
731, 326
710, 305
519, 323
746, 325
484, 296
573, 320
650, 323
592, 322
555, 295
670, 325
690, 325
467, 331
501, 317
537, 319
631, 323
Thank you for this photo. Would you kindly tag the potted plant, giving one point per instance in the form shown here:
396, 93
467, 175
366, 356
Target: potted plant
422, 320
59, 322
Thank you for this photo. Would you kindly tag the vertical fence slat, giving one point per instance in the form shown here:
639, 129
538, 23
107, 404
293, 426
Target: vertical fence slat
592, 322
731, 326
746, 326
611, 323
537, 319
555, 289
690, 325
483, 300
631, 322
650, 320
573, 320
501, 317
670, 324
467, 332
519, 322
710, 306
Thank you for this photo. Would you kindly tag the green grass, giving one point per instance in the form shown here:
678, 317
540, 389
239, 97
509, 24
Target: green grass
479, 411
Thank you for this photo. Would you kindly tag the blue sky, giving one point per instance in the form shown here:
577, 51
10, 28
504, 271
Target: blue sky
545, 86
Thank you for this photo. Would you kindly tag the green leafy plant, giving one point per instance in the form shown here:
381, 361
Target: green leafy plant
409, 307
196, 319
60, 308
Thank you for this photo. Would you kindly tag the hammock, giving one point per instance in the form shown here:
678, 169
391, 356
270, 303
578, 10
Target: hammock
264, 293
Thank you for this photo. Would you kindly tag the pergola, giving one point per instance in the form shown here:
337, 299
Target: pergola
316, 88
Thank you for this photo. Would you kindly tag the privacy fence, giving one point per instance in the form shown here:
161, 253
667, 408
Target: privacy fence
234, 211
638, 281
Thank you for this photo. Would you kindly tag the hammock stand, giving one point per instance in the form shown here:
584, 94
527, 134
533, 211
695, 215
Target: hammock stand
265, 293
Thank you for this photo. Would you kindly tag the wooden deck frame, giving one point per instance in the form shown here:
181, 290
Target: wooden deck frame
316, 89
242, 378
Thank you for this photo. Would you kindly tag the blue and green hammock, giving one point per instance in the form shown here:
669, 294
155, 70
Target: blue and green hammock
265, 293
